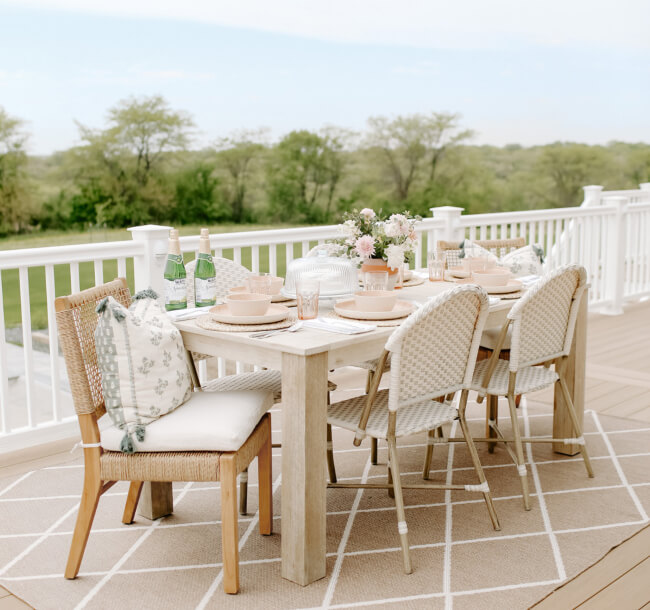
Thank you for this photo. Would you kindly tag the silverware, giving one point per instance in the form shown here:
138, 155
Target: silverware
269, 333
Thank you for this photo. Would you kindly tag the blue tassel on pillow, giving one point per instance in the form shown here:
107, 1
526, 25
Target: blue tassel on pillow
101, 307
139, 433
539, 251
146, 294
127, 446
118, 314
461, 245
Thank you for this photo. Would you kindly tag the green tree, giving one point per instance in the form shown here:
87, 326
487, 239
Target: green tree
125, 160
196, 197
236, 157
303, 176
411, 148
15, 196
570, 166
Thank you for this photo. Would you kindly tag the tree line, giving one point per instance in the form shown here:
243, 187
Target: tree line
140, 167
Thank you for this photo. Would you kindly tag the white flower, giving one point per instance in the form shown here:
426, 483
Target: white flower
368, 213
394, 256
349, 230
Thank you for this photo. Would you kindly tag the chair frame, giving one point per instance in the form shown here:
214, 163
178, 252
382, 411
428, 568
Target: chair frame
101, 467
560, 363
394, 484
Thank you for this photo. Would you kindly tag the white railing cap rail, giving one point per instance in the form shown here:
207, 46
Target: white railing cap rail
532, 215
62, 255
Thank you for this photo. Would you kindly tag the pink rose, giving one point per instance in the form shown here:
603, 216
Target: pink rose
365, 246
368, 213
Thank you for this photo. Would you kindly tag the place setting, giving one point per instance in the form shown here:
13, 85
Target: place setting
252, 305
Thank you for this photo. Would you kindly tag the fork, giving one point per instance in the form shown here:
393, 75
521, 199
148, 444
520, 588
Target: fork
269, 333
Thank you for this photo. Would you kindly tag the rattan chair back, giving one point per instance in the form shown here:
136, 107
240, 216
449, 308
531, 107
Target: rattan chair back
228, 274
76, 320
498, 247
434, 350
543, 320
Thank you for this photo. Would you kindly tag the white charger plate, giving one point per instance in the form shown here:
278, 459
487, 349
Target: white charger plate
275, 313
347, 309
512, 286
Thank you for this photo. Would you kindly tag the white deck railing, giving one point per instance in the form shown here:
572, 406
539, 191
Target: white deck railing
609, 234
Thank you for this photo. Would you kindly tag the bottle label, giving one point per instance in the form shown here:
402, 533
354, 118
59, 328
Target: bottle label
205, 290
175, 291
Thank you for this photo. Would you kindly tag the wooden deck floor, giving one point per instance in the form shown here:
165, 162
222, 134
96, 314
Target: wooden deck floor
617, 383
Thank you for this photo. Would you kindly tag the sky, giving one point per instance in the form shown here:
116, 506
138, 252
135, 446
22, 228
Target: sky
518, 72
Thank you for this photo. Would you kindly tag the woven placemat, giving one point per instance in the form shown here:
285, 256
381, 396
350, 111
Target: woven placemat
209, 323
333, 314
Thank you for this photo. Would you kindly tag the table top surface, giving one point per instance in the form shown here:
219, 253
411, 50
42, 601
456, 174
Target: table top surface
309, 341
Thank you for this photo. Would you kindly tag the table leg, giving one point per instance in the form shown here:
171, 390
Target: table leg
304, 430
575, 379
156, 500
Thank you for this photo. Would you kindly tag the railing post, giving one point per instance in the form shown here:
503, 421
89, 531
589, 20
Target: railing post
645, 187
451, 216
593, 195
615, 262
150, 265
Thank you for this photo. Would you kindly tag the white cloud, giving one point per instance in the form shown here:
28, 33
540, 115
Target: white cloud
422, 23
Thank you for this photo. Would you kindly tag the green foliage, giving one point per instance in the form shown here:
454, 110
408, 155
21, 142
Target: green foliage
138, 169
15, 196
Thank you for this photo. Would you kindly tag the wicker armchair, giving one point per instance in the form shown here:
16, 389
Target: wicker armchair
542, 322
229, 274
449, 326
498, 247
76, 321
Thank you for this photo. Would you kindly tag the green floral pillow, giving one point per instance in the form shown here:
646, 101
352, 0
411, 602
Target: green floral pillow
143, 364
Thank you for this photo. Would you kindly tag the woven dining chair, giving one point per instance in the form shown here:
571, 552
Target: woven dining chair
542, 325
449, 328
498, 247
76, 321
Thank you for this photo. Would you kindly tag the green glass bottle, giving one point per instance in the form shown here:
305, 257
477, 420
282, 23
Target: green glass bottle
205, 281
175, 278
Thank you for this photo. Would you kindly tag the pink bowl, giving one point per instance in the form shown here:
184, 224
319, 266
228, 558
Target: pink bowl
375, 300
492, 277
248, 304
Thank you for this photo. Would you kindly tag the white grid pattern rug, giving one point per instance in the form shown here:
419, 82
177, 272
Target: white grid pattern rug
459, 560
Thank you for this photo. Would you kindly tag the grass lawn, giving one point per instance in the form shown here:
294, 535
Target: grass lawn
11, 285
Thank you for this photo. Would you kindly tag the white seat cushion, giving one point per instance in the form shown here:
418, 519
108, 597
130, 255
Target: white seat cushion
490, 336
529, 379
208, 421
411, 419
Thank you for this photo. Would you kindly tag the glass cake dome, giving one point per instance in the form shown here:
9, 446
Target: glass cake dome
337, 275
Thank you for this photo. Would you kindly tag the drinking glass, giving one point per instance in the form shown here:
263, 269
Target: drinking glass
375, 280
259, 283
436, 267
307, 292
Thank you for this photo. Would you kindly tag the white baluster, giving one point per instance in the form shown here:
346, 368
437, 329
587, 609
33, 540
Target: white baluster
50, 295
27, 342
4, 373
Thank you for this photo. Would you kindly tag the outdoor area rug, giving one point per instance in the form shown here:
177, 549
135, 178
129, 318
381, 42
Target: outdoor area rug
459, 561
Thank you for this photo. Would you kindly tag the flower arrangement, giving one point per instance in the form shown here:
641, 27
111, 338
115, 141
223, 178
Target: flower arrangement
366, 235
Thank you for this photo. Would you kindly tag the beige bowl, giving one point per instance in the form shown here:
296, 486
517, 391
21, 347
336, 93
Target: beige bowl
492, 277
375, 300
248, 304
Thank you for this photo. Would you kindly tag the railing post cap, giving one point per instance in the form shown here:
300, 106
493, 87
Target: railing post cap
447, 209
592, 188
644, 186
146, 232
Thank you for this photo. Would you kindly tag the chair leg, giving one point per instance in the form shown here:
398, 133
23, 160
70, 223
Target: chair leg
331, 468
399, 505
493, 414
135, 489
431, 434
243, 492
517, 400
373, 451
576, 425
89, 499
487, 496
519, 451
265, 476
391, 490
229, 529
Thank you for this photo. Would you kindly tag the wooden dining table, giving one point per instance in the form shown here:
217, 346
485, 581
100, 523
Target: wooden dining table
305, 358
